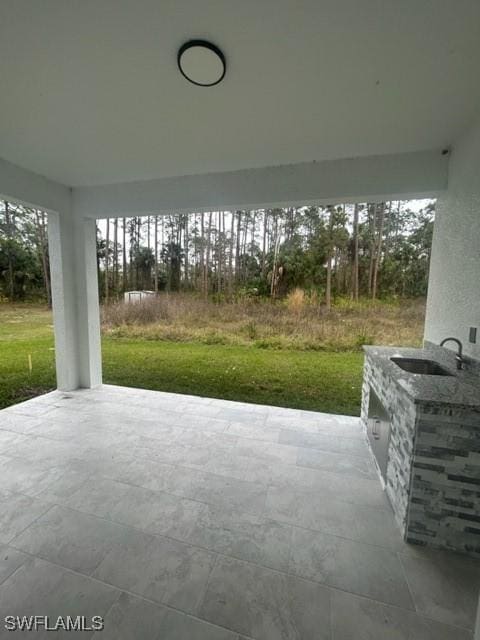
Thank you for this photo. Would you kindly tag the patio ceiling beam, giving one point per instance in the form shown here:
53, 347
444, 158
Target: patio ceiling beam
32, 189
397, 176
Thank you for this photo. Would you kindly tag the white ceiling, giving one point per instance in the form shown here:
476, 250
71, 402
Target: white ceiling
91, 94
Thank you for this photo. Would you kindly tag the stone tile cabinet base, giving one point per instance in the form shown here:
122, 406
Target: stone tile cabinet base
433, 468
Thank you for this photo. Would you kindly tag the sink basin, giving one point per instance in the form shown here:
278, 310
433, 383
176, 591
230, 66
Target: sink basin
419, 365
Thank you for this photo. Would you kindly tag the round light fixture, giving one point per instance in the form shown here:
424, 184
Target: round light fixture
201, 62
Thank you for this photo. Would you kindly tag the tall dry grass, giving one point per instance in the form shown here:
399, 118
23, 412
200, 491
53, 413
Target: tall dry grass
299, 322
296, 301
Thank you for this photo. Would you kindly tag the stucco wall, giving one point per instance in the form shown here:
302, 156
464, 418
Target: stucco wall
454, 286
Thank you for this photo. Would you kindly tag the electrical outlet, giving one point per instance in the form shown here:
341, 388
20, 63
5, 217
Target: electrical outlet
472, 335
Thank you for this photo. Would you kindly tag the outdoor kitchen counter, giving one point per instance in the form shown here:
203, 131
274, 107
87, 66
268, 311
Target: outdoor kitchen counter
462, 389
432, 424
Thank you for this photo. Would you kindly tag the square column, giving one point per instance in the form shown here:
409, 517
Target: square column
73, 264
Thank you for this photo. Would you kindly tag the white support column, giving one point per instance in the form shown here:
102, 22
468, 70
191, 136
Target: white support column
88, 309
73, 265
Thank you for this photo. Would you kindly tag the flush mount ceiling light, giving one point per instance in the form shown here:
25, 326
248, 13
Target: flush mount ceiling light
201, 62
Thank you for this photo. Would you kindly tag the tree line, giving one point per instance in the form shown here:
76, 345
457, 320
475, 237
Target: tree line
371, 249
24, 264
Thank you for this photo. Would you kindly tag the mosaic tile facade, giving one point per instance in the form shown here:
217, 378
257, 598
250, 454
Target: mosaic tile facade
433, 472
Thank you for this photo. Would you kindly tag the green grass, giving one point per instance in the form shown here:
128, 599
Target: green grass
322, 381
328, 382
25, 330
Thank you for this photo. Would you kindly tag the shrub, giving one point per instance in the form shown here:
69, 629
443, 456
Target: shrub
251, 330
296, 301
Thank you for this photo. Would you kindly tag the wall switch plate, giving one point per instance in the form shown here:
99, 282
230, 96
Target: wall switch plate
472, 335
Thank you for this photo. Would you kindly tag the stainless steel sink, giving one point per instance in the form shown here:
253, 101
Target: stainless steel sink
422, 366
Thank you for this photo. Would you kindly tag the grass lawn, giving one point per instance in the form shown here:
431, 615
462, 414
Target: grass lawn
316, 380
25, 330
329, 382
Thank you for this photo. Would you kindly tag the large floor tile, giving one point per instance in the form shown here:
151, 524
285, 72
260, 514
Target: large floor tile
245, 430
315, 422
355, 618
228, 492
18, 423
142, 472
200, 456
325, 442
351, 566
100, 496
197, 407
74, 540
264, 472
137, 507
353, 466
244, 536
41, 588
231, 465
196, 436
11, 441
242, 414
132, 618
63, 483
10, 560
178, 626
184, 481
22, 476
93, 460
189, 482
45, 451
154, 485
268, 451
236, 404
173, 516
265, 604
311, 511
189, 420
333, 486
288, 419
377, 526
445, 586
17, 512
114, 409
64, 425
323, 511
343, 428
160, 569
35, 408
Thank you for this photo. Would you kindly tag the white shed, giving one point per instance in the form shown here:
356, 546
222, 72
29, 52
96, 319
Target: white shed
137, 296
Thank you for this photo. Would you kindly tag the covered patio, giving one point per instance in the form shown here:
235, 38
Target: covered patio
186, 518
181, 517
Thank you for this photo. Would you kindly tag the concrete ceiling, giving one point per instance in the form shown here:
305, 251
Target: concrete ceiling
90, 91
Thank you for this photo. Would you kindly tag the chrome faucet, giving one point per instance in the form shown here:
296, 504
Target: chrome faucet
458, 356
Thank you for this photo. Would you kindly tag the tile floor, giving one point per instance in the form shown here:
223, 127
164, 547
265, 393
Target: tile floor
177, 517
